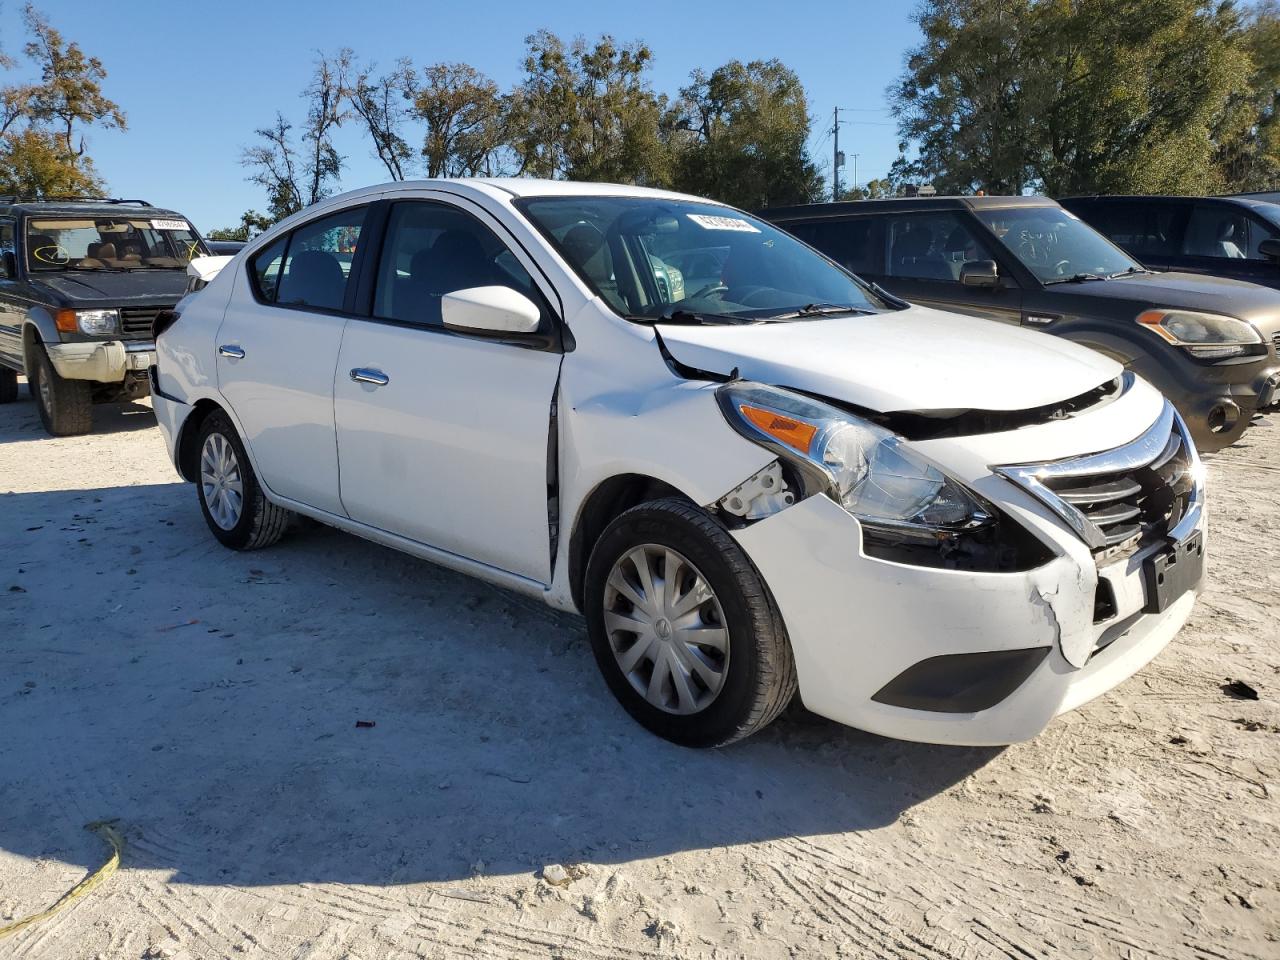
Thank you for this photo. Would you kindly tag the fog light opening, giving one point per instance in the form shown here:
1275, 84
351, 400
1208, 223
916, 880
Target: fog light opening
1223, 417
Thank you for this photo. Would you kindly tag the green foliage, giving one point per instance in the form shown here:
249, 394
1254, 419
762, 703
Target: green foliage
34, 163
738, 135
1071, 96
465, 119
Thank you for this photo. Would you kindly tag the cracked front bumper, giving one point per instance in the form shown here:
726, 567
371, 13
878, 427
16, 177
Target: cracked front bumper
856, 623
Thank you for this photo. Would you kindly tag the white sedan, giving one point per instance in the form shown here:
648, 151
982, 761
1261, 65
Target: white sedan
749, 470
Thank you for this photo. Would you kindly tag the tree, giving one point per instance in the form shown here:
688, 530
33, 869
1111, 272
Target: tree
33, 163
739, 135
274, 167
324, 115
383, 104
465, 117
587, 112
251, 224
1247, 135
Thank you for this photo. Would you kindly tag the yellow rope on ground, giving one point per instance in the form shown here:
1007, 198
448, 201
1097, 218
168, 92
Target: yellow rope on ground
95, 879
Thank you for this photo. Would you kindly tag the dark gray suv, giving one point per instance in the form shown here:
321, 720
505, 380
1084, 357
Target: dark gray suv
1210, 344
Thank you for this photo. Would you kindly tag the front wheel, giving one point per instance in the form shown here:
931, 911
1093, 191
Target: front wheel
684, 629
65, 406
231, 499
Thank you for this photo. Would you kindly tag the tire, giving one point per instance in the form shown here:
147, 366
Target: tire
757, 676
65, 406
8, 385
223, 467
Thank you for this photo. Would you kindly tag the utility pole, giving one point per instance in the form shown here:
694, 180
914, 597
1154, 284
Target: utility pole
835, 156
855, 171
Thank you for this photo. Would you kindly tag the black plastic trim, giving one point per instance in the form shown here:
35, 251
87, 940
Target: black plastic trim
961, 682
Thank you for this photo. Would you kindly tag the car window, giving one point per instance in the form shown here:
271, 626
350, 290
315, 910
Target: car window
1145, 228
265, 269
318, 262
6, 241
432, 249
1055, 244
78, 243
1226, 232
850, 243
932, 246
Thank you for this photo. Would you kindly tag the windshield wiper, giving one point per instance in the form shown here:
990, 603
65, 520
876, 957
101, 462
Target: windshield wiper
1076, 278
1130, 272
818, 310
688, 317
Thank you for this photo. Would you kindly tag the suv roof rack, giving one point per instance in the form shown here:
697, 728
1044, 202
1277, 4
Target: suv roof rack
14, 198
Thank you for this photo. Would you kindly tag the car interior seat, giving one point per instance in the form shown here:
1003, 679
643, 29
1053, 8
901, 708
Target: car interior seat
313, 277
1226, 245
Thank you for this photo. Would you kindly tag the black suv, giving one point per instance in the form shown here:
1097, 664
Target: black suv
1236, 237
1210, 344
80, 283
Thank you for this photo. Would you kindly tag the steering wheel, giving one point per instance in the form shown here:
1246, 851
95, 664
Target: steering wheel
706, 291
54, 254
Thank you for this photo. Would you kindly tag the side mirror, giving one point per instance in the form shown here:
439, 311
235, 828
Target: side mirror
980, 273
9, 265
1270, 249
498, 310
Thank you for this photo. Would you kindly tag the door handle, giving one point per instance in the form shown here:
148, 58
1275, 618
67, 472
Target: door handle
232, 351
370, 375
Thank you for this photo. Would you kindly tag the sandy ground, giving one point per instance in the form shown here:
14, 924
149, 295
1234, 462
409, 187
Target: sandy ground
209, 700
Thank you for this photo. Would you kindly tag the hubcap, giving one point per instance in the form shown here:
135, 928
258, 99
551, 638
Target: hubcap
666, 629
46, 392
221, 484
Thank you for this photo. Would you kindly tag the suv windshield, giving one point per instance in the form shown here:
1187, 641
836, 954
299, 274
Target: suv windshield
1056, 245
109, 243
654, 259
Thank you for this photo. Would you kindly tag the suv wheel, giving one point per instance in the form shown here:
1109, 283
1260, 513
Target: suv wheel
66, 406
231, 499
8, 385
683, 628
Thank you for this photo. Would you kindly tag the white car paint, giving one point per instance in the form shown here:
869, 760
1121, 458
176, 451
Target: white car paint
449, 461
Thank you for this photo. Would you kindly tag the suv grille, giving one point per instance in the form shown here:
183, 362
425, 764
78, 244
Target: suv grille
136, 321
1275, 340
1122, 499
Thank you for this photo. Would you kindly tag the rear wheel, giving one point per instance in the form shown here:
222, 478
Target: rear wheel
684, 629
65, 406
231, 499
8, 385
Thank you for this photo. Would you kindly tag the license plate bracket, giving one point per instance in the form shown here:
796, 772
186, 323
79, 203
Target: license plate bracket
1173, 571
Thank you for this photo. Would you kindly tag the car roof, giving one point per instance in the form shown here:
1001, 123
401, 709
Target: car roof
1254, 201
95, 207
843, 207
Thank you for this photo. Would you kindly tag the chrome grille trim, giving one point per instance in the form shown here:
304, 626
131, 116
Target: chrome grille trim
1151, 448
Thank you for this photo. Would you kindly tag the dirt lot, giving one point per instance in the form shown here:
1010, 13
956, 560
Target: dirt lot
208, 700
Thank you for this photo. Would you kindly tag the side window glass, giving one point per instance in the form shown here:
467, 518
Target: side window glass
432, 249
849, 243
264, 271
1223, 232
318, 262
6, 245
932, 246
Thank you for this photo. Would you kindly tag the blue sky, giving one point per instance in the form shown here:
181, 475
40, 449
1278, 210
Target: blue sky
195, 79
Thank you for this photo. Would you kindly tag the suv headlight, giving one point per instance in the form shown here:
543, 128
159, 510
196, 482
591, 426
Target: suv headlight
92, 323
1209, 336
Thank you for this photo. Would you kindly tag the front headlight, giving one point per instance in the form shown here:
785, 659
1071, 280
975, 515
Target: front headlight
860, 465
1209, 336
92, 323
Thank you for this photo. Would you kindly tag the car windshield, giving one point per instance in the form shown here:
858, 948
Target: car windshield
684, 261
1055, 244
110, 243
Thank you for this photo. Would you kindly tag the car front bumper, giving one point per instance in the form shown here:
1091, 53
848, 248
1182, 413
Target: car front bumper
857, 623
108, 361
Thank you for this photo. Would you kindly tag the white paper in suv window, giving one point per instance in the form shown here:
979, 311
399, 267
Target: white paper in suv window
169, 225
722, 223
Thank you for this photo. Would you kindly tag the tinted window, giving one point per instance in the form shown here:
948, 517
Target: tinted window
265, 269
1224, 231
318, 261
850, 243
6, 240
932, 246
432, 249
1141, 228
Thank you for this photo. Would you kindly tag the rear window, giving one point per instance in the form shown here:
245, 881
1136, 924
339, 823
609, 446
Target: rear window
850, 243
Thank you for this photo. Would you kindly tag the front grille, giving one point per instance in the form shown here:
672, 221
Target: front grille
1135, 506
1119, 500
136, 321
1275, 339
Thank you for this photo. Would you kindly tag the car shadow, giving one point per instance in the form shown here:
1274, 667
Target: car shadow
331, 710
23, 421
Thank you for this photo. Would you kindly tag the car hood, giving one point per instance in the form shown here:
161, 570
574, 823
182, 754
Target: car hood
917, 359
1189, 291
85, 288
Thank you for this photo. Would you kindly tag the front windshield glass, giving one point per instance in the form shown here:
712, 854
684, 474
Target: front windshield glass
674, 259
1055, 244
109, 243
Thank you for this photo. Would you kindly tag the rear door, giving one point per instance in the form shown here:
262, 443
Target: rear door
445, 437
277, 348
923, 255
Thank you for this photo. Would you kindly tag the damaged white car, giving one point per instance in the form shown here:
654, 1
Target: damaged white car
751, 472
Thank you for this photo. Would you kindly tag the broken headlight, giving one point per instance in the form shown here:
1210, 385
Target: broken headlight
910, 511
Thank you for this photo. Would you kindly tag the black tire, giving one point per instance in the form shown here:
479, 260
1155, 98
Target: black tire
65, 406
8, 385
261, 522
760, 678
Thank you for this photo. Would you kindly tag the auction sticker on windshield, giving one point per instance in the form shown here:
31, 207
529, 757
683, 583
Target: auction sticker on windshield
170, 225
722, 223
